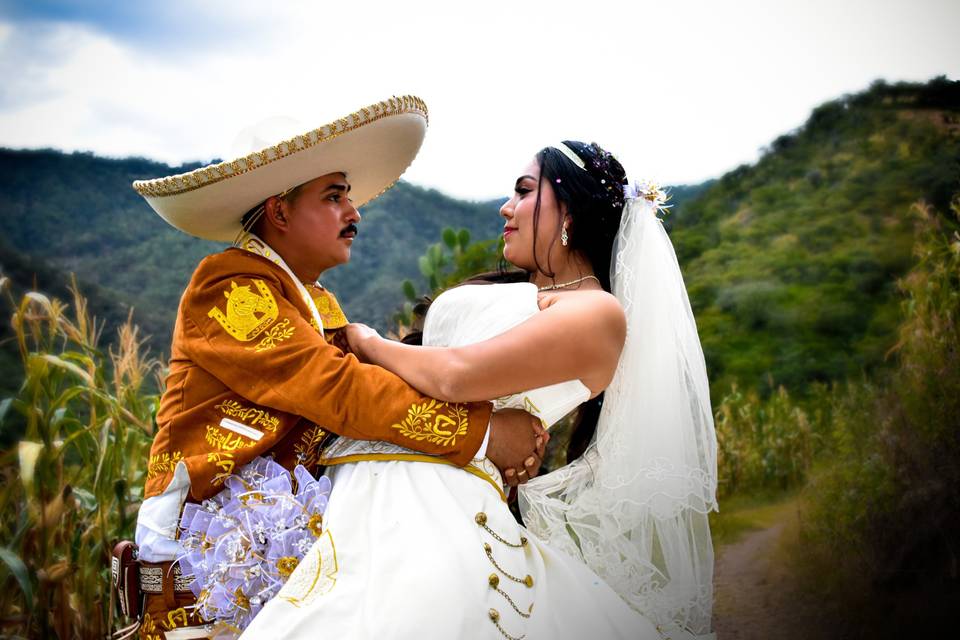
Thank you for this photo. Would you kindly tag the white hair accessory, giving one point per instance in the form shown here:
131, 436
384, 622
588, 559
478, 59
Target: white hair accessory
567, 151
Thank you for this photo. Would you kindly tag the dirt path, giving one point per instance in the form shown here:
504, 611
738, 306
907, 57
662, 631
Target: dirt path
755, 596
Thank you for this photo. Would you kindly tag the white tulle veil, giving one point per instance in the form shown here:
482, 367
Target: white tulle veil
634, 506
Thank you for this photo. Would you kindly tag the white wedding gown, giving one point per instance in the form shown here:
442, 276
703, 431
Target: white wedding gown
415, 549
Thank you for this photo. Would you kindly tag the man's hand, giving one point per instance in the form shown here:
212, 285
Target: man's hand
516, 445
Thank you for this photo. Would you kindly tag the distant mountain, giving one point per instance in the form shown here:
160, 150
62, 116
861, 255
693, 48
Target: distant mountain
791, 262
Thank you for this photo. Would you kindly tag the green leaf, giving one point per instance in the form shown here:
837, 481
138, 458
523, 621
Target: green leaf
68, 366
28, 452
19, 571
450, 237
86, 499
4, 407
463, 238
426, 267
408, 290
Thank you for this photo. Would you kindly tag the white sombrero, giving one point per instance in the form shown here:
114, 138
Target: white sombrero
373, 147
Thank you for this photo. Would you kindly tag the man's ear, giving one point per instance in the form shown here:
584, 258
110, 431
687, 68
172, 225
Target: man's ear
273, 212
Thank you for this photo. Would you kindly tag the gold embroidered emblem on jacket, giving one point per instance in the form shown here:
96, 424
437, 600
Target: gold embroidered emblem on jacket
248, 314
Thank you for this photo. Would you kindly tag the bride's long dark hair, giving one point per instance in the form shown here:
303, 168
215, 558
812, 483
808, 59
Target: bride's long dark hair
594, 201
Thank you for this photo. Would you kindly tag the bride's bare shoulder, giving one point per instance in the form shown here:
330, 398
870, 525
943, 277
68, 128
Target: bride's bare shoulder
594, 307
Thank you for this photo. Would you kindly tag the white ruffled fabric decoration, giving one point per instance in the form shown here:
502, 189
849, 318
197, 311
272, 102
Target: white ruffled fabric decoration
634, 506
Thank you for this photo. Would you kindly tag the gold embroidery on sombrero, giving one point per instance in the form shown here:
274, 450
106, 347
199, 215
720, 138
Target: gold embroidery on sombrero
248, 314
204, 176
436, 422
233, 409
277, 334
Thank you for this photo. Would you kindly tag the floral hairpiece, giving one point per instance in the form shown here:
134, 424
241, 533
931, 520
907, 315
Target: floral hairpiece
649, 191
600, 165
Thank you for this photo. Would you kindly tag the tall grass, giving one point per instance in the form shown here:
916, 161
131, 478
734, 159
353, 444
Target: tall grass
73, 482
767, 443
881, 539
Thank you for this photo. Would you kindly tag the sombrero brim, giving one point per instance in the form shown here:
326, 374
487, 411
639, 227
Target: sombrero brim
373, 147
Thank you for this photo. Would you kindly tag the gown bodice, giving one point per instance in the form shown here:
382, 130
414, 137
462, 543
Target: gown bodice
473, 313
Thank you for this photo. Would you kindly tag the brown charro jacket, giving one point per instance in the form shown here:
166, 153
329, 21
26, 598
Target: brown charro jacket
250, 375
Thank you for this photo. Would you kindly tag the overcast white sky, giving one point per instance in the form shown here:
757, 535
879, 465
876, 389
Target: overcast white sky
680, 91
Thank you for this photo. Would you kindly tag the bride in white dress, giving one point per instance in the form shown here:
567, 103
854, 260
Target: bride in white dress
618, 544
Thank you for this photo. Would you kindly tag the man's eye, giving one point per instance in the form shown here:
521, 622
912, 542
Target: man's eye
335, 197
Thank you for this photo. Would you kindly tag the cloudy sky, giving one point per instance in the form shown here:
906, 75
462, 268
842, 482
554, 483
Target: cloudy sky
679, 90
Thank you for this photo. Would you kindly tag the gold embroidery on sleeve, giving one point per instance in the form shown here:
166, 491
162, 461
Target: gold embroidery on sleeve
251, 415
436, 422
225, 441
248, 314
163, 463
277, 334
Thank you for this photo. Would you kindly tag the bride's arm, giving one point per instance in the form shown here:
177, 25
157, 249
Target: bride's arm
578, 337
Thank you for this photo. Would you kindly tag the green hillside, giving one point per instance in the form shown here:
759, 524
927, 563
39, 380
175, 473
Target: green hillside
792, 263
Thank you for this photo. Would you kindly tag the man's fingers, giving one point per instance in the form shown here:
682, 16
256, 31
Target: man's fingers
541, 448
531, 467
522, 476
510, 476
543, 436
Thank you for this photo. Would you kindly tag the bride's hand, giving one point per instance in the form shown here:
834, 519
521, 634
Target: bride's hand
360, 336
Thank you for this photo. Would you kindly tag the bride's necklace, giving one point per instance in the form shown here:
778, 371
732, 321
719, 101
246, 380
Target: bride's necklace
551, 287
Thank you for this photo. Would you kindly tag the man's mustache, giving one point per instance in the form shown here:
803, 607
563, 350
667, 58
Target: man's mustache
350, 228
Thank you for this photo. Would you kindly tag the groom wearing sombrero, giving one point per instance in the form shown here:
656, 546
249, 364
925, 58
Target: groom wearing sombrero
253, 366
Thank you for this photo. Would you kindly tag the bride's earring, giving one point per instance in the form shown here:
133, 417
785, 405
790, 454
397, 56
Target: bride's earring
564, 238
